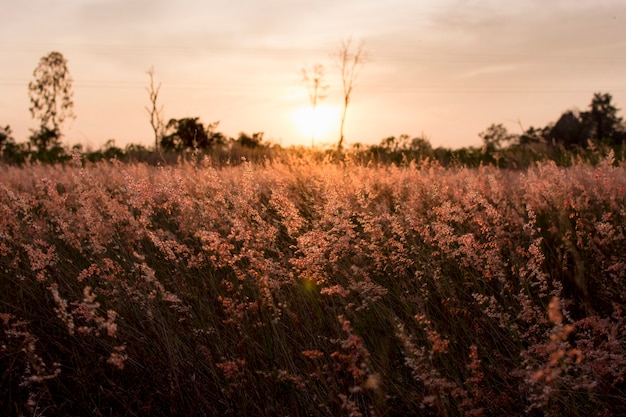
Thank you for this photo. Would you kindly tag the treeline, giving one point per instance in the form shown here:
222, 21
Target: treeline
575, 135
185, 138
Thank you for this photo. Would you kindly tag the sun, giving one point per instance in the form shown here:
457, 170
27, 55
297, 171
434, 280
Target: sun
316, 124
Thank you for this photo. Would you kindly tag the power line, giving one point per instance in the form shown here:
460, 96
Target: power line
363, 88
417, 54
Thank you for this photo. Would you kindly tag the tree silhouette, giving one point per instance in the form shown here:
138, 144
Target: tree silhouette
6, 136
602, 121
350, 64
185, 133
250, 141
155, 112
51, 99
569, 131
316, 86
496, 137
11, 151
600, 124
190, 133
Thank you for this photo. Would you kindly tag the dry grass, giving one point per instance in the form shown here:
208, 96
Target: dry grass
312, 289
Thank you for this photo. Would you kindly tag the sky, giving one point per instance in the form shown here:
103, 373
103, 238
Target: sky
444, 70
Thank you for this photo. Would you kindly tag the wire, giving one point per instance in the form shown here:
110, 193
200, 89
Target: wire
408, 54
246, 89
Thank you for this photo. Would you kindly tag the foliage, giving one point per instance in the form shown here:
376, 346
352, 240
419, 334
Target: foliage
569, 131
250, 141
46, 140
602, 120
496, 137
10, 151
600, 124
51, 97
6, 136
310, 288
190, 133
397, 150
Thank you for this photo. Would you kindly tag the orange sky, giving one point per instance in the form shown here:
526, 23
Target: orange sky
446, 69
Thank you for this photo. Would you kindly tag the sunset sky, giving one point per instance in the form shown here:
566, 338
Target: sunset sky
446, 69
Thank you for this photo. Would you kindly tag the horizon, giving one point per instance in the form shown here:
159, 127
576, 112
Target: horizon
443, 70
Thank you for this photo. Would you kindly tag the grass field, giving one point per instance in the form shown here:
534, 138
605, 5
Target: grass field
312, 289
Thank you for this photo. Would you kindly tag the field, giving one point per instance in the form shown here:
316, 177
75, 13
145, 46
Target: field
307, 288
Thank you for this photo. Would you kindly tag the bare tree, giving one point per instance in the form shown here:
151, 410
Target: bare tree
155, 112
350, 63
316, 86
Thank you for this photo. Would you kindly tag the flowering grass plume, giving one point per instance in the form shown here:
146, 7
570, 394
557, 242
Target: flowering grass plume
311, 288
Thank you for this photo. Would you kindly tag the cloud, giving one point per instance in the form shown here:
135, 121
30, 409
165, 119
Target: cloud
529, 27
119, 13
489, 70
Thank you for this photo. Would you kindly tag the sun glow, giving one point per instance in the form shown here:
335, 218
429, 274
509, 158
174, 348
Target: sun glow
317, 123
